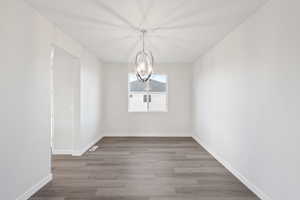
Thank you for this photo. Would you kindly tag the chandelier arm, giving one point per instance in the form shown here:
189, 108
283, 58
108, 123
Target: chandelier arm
141, 79
144, 62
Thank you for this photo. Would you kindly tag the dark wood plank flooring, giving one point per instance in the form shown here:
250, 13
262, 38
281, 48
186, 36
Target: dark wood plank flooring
143, 168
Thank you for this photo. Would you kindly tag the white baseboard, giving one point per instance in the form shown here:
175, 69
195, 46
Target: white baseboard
87, 147
62, 151
35, 188
235, 172
126, 134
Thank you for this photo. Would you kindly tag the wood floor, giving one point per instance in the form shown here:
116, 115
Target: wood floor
130, 168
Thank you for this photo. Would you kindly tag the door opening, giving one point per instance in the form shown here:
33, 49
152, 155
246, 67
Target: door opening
65, 100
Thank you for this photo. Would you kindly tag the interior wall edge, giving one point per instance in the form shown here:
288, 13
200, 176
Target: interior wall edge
62, 151
210, 48
81, 151
249, 184
35, 188
153, 134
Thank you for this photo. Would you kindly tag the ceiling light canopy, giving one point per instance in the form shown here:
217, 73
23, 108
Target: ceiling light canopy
144, 62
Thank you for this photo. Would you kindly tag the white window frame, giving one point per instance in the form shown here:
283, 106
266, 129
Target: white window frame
148, 111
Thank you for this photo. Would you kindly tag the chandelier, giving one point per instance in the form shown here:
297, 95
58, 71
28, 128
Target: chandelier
144, 62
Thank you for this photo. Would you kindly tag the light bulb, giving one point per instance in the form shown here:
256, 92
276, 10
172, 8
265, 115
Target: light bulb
142, 67
150, 69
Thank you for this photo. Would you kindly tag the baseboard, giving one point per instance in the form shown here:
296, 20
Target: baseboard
35, 188
87, 147
125, 134
235, 172
62, 151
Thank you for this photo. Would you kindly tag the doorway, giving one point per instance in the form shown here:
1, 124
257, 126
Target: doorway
65, 101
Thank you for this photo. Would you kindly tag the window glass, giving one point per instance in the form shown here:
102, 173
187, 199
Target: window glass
148, 96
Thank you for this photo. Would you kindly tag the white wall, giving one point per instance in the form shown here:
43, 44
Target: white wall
247, 100
25, 99
175, 122
26, 39
91, 102
66, 101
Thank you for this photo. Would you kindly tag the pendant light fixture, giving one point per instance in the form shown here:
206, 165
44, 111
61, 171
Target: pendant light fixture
144, 62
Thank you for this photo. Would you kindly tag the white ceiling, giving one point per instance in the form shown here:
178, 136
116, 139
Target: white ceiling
178, 30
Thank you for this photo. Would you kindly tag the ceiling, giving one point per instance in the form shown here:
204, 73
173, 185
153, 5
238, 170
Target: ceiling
177, 30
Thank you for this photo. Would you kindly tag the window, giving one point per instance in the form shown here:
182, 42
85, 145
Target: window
148, 96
